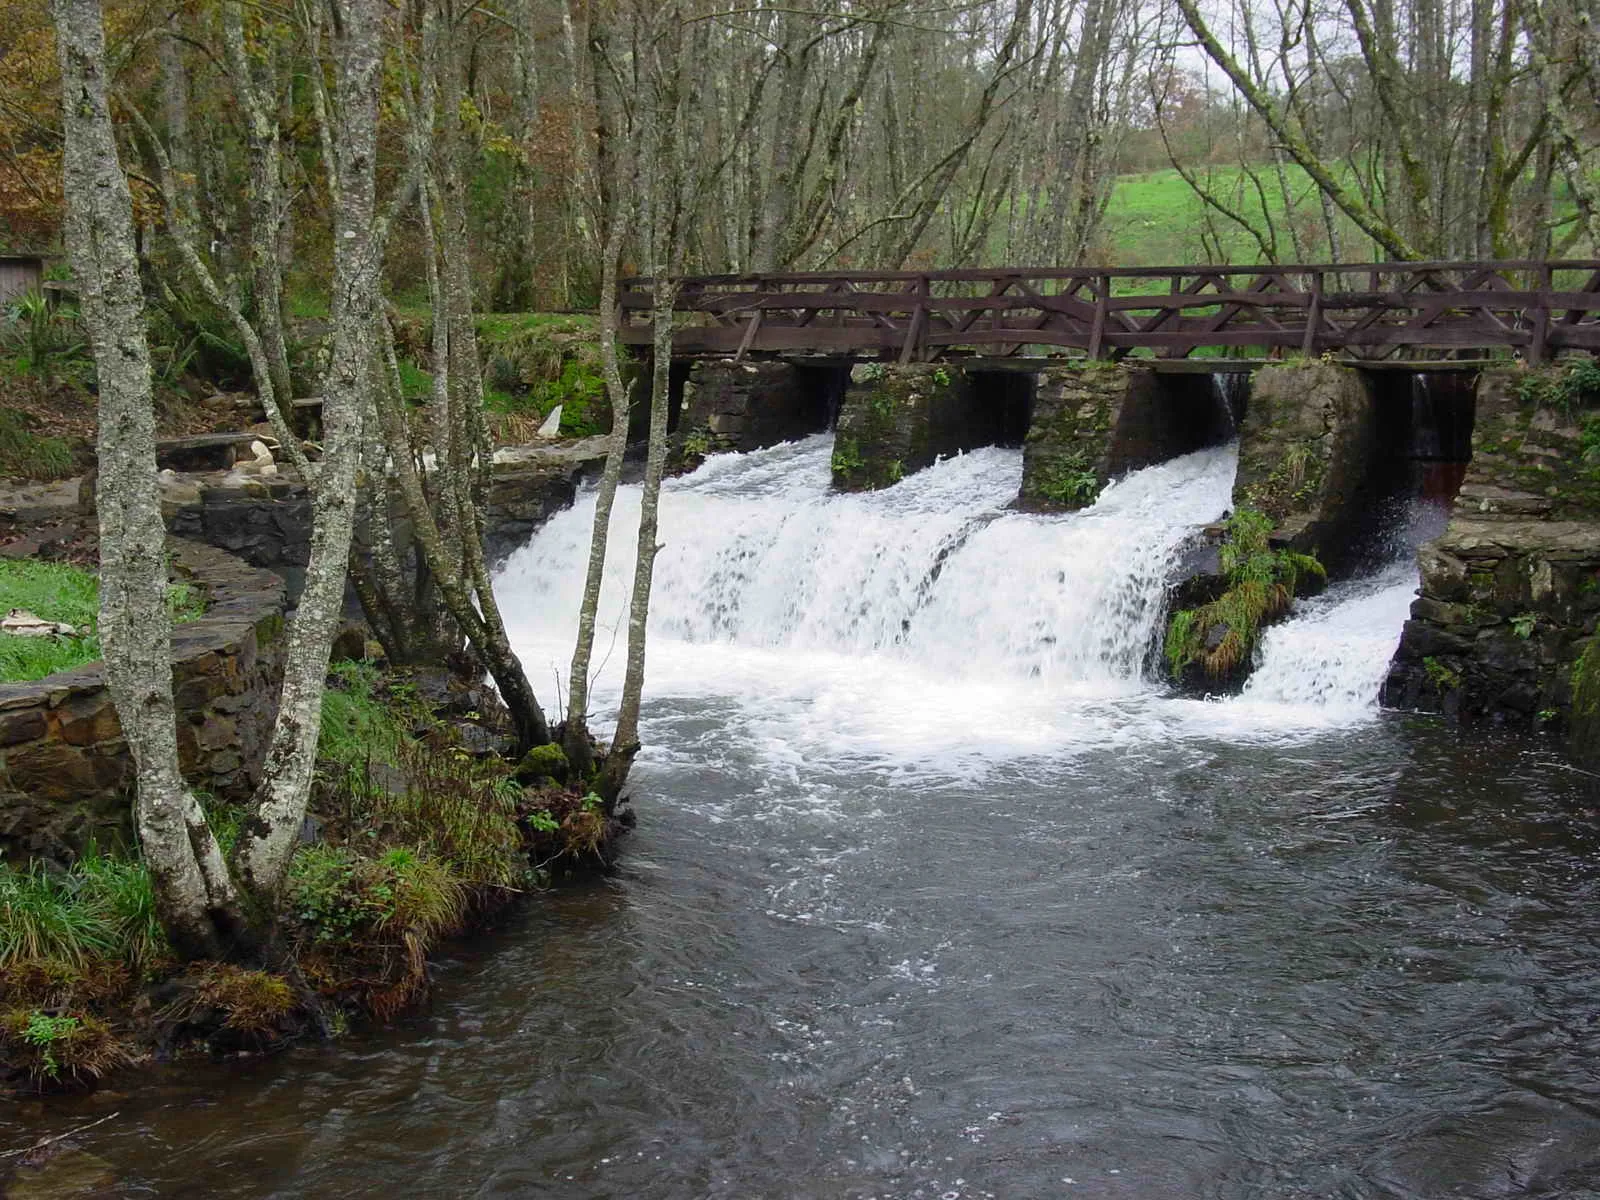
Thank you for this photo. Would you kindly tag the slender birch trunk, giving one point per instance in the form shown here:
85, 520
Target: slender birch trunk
255, 81
662, 180
197, 902
268, 839
575, 740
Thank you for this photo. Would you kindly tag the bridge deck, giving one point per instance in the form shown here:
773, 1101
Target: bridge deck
1368, 311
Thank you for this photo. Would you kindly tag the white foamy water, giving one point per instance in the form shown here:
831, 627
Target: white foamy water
1335, 652
925, 625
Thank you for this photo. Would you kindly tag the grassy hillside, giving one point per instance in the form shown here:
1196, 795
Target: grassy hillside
1156, 219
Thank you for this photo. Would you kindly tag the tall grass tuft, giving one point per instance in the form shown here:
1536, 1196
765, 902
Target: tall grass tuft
101, 911
45, 917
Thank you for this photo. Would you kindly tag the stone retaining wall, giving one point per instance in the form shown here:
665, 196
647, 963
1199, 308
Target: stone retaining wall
1511, 591
268, 523
65, 773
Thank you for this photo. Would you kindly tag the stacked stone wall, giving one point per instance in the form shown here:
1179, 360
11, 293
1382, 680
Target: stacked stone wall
1510, 592
66, 776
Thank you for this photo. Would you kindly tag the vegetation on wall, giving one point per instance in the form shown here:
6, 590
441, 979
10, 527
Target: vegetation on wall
1261, 584
535, 361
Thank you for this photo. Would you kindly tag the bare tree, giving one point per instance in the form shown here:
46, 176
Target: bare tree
278, 810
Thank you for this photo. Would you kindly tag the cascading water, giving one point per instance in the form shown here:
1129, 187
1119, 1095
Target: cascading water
903, 621
1333, 653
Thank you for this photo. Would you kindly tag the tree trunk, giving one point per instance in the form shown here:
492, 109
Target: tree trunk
575, 740
196, 900
268, 839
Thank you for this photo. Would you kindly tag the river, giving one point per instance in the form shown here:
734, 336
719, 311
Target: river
937, 893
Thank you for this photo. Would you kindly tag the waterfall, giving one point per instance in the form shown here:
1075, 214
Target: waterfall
898, 622
759, 553
1335, 650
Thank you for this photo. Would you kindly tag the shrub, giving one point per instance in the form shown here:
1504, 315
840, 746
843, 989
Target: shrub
1261, 585
1567, 385
50, 1046
47, 337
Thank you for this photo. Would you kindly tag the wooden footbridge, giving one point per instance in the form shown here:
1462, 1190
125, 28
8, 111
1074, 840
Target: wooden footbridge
1368, 312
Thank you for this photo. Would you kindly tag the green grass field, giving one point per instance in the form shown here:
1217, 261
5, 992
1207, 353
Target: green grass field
58, 592
1156, 219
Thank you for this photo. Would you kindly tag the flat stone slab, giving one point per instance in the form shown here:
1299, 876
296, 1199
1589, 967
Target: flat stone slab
1480, 537
553, 456
208, 451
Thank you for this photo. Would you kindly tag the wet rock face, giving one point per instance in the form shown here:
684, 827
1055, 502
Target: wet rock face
1511, 591
1307, 453
899, 419
68, 775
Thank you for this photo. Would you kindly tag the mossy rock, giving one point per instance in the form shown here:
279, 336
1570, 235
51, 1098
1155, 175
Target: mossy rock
548, 761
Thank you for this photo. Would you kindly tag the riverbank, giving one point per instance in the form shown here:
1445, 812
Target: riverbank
419, 831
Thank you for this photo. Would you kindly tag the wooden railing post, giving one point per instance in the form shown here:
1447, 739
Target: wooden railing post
913, 348
1539, 348
1097, 331
1308, 343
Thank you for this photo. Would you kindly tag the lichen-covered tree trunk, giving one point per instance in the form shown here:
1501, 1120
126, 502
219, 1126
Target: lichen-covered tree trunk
625, 741
195, 897
449, 516
268, 839
575, 735
663, 177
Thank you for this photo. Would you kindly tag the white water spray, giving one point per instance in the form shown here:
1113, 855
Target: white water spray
915, 623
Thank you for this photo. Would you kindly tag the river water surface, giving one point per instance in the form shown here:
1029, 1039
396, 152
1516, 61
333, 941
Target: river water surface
935, 893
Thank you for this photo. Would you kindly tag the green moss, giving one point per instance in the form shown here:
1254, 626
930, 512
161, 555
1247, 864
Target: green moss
1444, 678
1586, 681
1261, 585
543, 762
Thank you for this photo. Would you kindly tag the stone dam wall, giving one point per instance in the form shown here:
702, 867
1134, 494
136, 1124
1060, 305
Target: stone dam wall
1510, 592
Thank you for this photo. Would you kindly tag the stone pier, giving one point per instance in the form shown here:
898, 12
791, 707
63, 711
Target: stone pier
1309, 454
744, 406
1510, 592
1095, 421
899, 419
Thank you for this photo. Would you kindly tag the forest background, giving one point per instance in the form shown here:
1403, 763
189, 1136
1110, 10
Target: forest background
876, 134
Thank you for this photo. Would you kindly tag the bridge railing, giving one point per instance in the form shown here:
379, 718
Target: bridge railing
1369, 310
